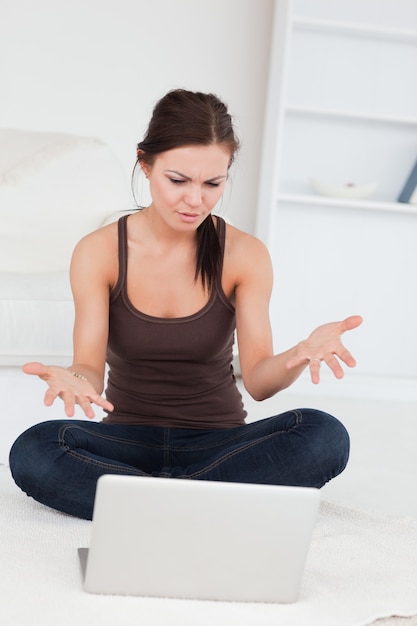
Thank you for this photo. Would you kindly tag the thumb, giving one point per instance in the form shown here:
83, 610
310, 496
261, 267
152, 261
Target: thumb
34, 367
352, 322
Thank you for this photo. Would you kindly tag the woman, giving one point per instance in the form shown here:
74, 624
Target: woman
158, 296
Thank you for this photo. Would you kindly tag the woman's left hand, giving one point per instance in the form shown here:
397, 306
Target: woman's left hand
324, 345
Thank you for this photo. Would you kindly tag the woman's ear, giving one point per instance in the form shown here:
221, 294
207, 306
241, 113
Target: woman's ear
145, 167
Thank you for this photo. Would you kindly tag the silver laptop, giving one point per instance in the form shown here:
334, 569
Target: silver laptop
195, 539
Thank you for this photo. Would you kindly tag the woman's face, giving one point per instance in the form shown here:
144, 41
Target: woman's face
187, 182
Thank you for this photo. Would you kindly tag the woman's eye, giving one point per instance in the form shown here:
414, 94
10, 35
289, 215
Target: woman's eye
180, 181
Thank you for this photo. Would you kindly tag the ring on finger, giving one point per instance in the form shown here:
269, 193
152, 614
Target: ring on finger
315, 359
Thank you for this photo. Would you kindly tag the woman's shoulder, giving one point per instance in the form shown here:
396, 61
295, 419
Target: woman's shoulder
96, 255
100, 239
241, 244
246, 259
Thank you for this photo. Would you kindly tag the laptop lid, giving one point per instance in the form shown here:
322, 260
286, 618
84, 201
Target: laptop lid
204, 540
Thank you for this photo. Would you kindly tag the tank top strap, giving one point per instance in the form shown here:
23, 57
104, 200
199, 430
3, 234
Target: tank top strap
122, 255
221, 233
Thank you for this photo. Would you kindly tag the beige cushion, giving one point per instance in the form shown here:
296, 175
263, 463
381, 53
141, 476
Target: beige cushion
54, 188
36, 318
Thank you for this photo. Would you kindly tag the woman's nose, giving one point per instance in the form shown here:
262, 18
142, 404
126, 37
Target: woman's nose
193, 197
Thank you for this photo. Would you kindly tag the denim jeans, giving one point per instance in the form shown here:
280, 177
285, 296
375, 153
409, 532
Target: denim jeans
59, 462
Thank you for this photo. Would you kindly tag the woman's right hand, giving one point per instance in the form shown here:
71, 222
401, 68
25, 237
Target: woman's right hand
71, 389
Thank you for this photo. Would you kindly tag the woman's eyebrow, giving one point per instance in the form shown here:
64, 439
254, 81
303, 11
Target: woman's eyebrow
211, 180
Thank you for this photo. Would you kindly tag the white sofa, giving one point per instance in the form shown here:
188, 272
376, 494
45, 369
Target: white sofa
54, 188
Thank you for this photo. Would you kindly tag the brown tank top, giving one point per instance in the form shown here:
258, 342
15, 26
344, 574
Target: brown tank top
172, 372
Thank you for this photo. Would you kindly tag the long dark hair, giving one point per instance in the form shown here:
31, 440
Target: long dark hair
183, 118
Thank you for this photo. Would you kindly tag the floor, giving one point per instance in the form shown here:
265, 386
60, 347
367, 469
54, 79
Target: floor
381, 475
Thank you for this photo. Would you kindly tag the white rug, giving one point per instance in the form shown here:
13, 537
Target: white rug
360, 568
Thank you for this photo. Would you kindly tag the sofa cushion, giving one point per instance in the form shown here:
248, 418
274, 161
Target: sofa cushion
54, 189
36, 318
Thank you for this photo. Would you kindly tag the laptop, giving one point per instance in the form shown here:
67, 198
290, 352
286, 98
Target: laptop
192, 539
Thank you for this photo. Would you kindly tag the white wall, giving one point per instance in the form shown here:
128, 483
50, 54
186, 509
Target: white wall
96, 67
332, 262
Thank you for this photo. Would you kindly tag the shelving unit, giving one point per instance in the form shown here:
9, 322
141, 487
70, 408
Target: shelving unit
342, 103
342, 108
354, 116
355, 29
365, 205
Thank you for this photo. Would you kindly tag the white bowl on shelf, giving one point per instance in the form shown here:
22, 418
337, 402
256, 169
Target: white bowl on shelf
350, 190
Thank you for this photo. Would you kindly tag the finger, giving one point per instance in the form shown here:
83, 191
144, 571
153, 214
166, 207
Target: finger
351, 322
101, 402
315, 365
85, 405
51, 394
347, 357
34, 367
335, 366
69, 403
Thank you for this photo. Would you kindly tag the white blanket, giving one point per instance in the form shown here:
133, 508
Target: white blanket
360, 567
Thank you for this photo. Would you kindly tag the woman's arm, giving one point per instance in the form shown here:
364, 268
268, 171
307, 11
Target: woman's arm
93, 269
263, 372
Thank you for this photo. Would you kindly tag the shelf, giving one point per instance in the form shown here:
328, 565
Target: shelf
355, 29
351, 115
346, 203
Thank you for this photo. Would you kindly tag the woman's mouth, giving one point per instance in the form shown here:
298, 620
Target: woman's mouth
188, 217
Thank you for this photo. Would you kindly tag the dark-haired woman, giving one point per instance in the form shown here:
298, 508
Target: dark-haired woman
158, 296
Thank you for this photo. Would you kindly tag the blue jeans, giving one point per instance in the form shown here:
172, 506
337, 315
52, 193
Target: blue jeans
59, 462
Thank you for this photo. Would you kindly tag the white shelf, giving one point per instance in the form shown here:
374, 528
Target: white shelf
345, 203
362, 126
355, 29
351, 115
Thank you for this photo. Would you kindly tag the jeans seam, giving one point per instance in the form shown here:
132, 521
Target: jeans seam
249, 445
89, 461
139, 444
113, 468
255, 426
166, 446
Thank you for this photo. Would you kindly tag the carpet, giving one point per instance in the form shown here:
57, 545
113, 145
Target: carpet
361, 567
